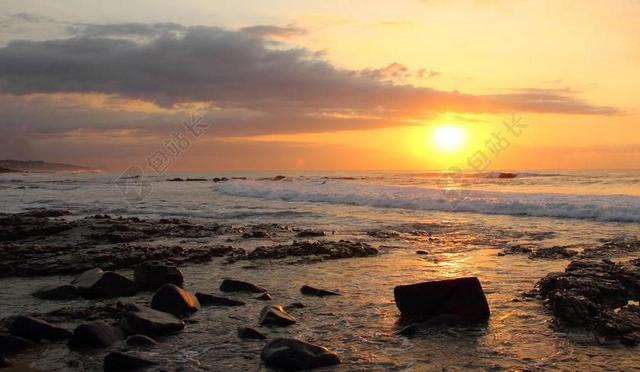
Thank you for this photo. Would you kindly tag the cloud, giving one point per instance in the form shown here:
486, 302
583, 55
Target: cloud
171, 64
274, 31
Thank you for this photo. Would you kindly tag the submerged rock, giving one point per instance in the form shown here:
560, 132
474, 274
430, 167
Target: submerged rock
246, 332
141, 340
96, 283
310, 233
231, 285
117, 361
211, 300
174, 300
321, 249
459, 299
311, 291
36, 329
10, 344
146, 321
95, 335
57, 292
557, 252
276, 315
153, 276
290, 354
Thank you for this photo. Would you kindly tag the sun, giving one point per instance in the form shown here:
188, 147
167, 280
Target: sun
449, 138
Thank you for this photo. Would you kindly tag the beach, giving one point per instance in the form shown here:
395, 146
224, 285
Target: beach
357, 234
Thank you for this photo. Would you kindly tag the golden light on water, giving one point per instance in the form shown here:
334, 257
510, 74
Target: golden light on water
449, 138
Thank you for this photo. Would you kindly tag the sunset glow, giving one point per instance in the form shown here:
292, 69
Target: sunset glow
449, 138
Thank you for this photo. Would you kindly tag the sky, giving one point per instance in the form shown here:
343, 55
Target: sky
321, 85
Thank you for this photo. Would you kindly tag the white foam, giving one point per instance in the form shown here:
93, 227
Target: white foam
621, 208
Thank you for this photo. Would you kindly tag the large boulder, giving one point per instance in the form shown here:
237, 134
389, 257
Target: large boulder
290, 354
96, 283
95, 335
146, 321
153, 276
231, 285
459, 299
57, 292
12, 344
207, 299
117, 361
276, 315
36, 329
311, 291
174, 300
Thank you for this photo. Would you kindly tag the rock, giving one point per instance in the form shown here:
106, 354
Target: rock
276, 315
141, 340
95, 335
153, 276
515, 249
12, 344
596, 294
422, 252
96, 283
557, 252
117, 361
409, 330
146, 321
36, 329
462, 298
174, 300
246, 332
295, 305
290, 354
308, 290
207, 299
256, 234
507, 175
309, 233
231, 285
4, 362
319, 248
60, 292
264, 297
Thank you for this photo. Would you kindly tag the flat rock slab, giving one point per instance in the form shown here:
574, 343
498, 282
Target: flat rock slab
211, 300
454, 299
146, 321
231, 285
117, 361
311, 291
290, 354
36, 329
174, 300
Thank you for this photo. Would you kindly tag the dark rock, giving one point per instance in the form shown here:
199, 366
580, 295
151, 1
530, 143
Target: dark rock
422, 252
141, 340
507, 175
295, 305
290, 354
256, 234
322, 249
516, 249
153, 276
146, 321
264, 297
95, 335
61, 292
36, 329
207, 299
557, 252
462, 298
231, 285
117, 361
409, 330
276, 315
177, 179
4, 362
196, 179
96, 283
309, 233
174, 300
246, 332
12, 344
383, 234
308, 290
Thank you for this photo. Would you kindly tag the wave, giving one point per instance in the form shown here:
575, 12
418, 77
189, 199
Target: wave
620, 208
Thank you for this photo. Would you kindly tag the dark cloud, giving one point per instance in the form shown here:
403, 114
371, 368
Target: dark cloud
274, 31
234, 69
